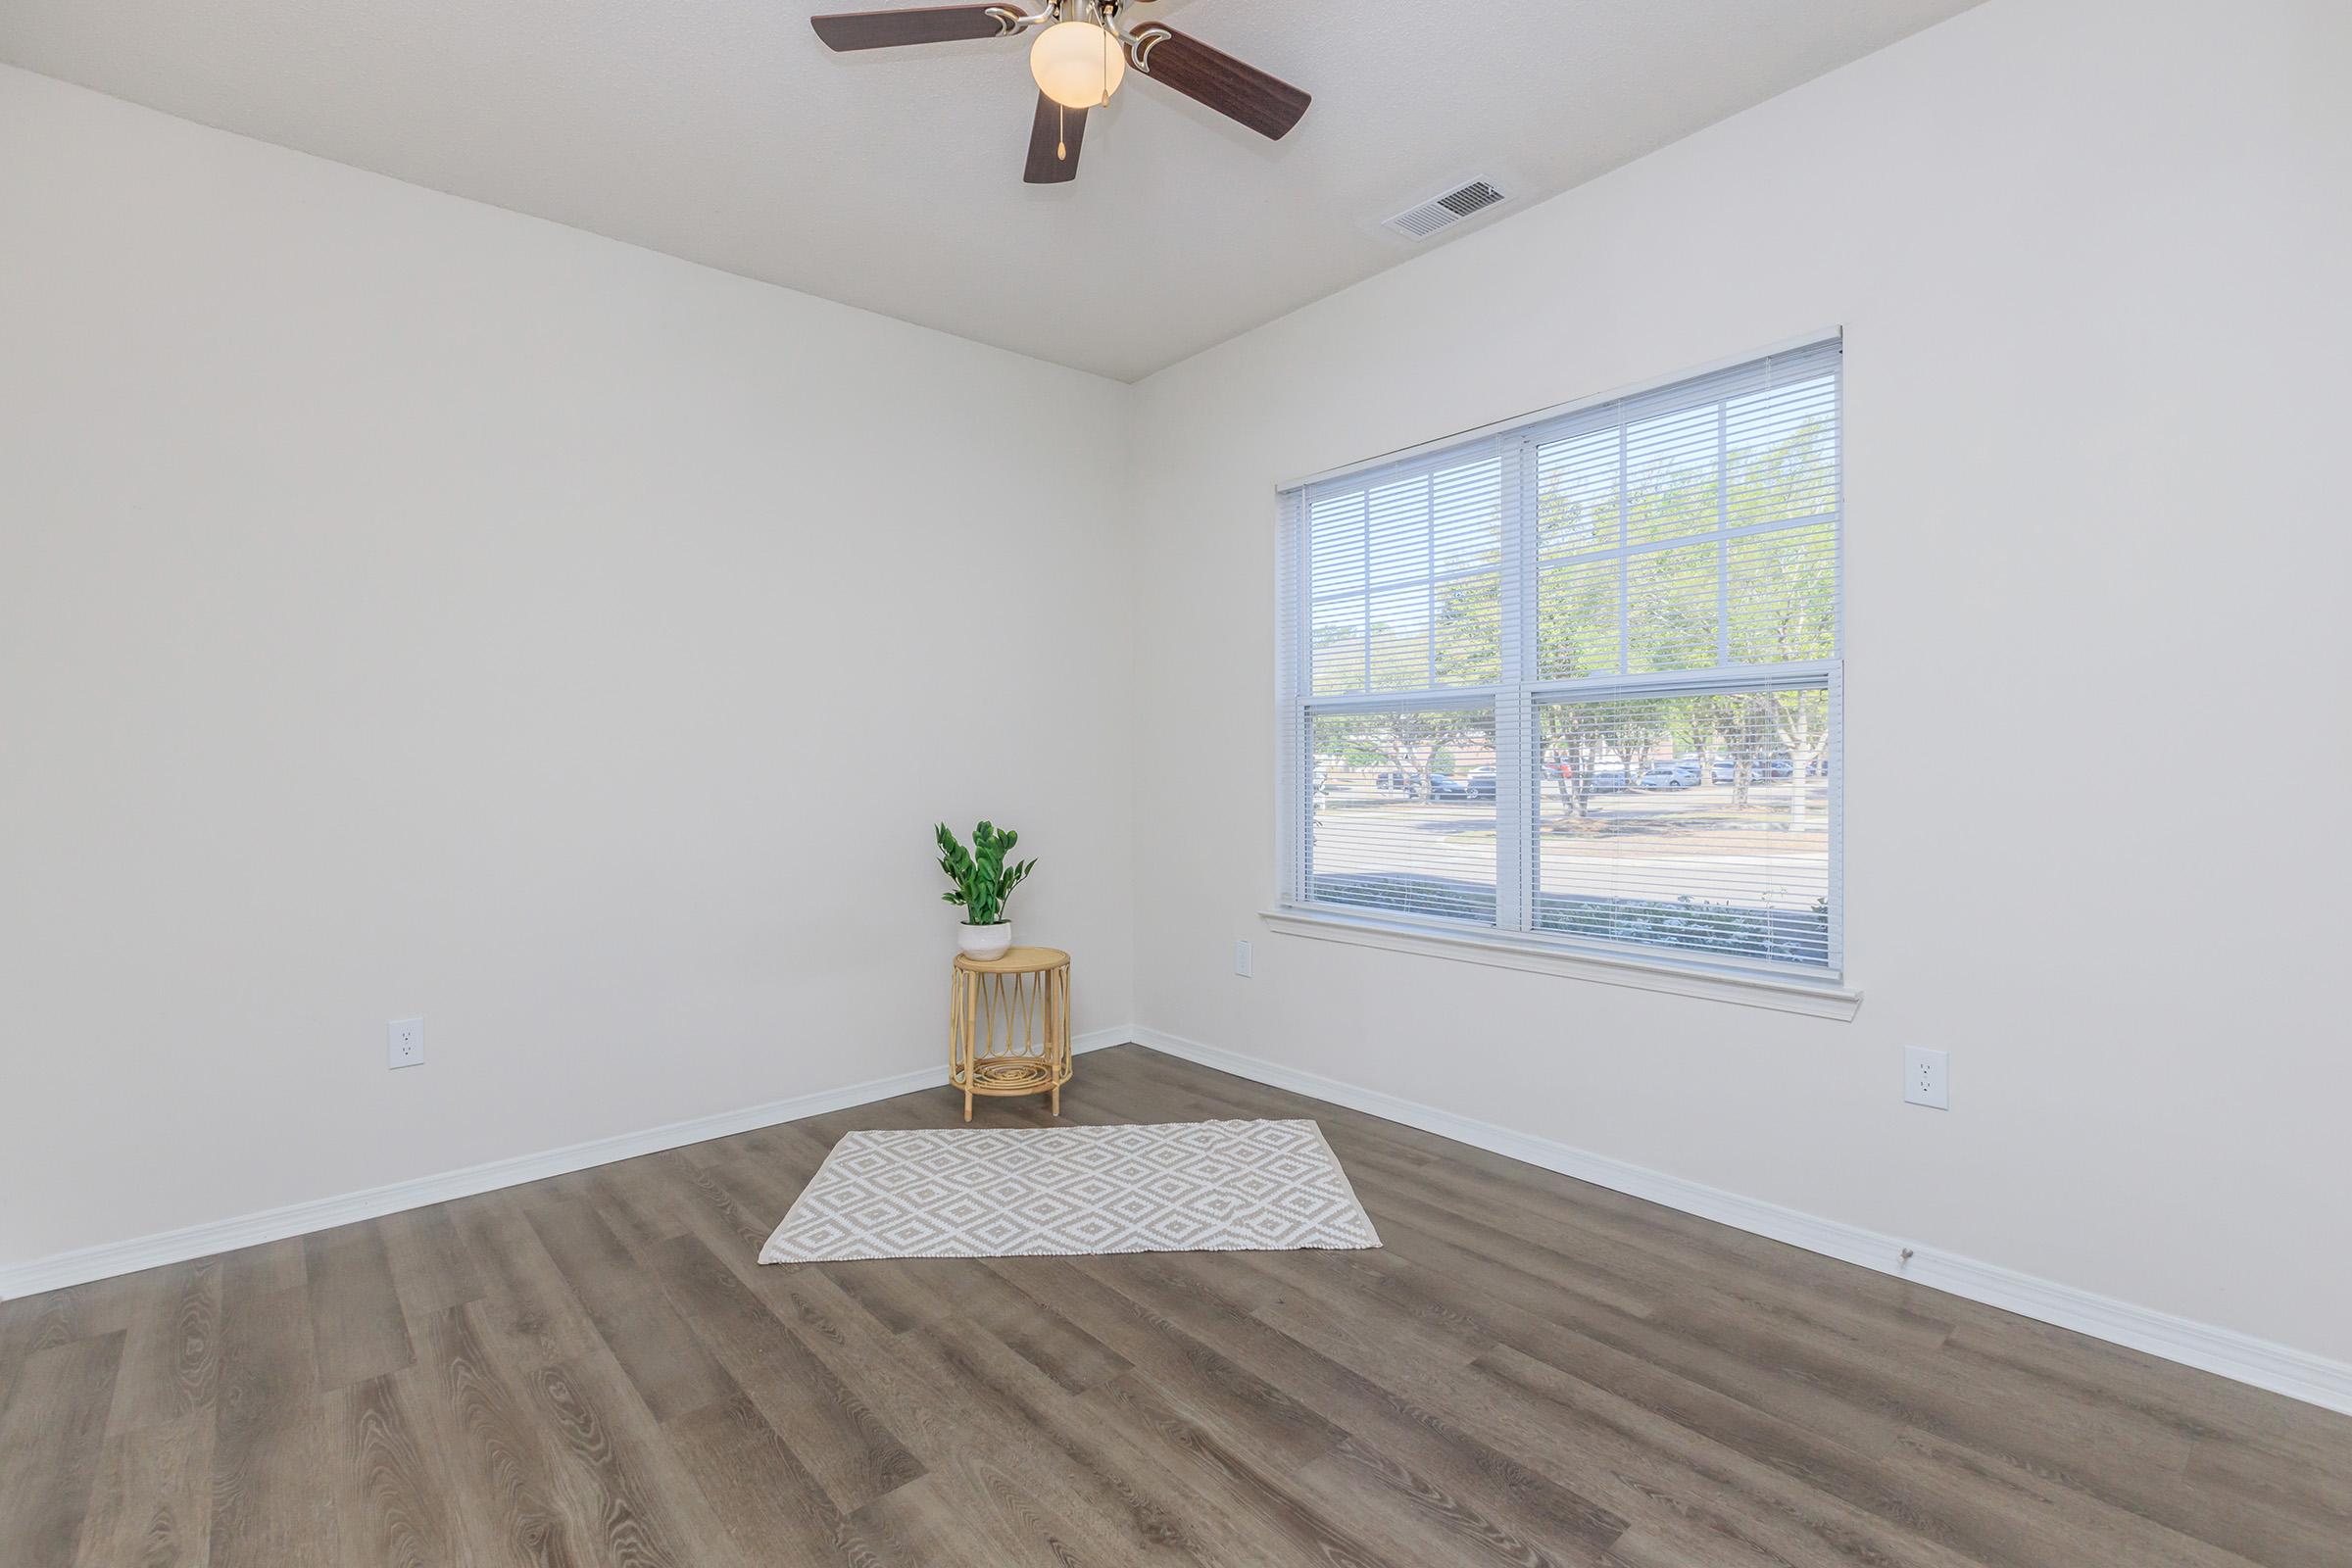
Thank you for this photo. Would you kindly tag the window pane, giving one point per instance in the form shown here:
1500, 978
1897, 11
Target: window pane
1670, 609
1404, 814
1466, 516
1469, 622
1400, 533
1578, 623
1401, 639
1334, 559
1672, 484
1338, 646
1576, 493
1701, 536
1783, 595
1404, 578
1693, 823
1784, 452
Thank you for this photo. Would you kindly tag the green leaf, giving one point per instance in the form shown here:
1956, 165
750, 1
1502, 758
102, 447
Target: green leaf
982, 879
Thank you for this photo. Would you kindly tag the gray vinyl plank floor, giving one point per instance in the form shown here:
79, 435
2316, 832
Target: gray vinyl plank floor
593, 1371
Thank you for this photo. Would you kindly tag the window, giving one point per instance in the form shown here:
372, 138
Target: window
1579, 681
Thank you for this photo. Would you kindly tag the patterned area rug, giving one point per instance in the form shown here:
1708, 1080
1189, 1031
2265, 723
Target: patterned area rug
1184, 1187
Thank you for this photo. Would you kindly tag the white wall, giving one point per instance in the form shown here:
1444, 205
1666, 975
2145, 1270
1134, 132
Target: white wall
2090, 260
411, 608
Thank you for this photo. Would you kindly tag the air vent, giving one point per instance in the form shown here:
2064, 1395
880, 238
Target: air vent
1446, 211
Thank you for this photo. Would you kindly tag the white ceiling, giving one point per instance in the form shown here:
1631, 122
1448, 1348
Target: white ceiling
722, 131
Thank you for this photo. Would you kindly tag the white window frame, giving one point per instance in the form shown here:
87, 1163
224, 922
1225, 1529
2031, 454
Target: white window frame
1511, 942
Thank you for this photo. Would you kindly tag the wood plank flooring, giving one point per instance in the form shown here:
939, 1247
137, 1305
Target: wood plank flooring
592, 1371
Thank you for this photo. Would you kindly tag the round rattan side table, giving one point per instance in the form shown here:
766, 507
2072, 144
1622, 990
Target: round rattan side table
1008, 1026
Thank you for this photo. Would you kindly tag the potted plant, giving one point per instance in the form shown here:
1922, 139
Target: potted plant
983, 880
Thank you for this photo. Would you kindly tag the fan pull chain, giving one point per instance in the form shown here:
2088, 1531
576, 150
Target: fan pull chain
1062, 136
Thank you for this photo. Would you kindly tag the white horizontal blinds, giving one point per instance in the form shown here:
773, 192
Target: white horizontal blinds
1687, 545
1581, 678
1694, 527
1695, 822
1403, 818
1403, 576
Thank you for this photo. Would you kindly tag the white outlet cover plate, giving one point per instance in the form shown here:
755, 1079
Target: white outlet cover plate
1927, 1077
1241, 960
403, 1045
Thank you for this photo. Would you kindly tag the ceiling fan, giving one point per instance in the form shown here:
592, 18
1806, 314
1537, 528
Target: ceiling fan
1080, 57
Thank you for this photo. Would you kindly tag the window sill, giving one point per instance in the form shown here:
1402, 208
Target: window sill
1782, 994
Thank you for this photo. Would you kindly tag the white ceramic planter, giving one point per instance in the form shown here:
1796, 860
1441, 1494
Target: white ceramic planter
985, 941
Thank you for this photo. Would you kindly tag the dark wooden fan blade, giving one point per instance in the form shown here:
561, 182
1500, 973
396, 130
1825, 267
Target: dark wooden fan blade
1266, 104
886, 29
1053, 142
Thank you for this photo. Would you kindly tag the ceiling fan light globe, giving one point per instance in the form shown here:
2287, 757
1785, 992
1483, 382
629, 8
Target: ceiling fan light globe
1077, 64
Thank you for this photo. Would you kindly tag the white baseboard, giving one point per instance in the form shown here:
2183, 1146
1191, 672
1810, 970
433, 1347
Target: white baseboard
2279, 1368
324, 1213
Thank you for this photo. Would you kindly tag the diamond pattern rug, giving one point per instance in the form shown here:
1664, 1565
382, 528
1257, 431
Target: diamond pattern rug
1182, 1187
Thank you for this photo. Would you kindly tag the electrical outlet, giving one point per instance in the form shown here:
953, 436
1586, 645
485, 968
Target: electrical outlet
406, 1045
1241, 960
1927, 1077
